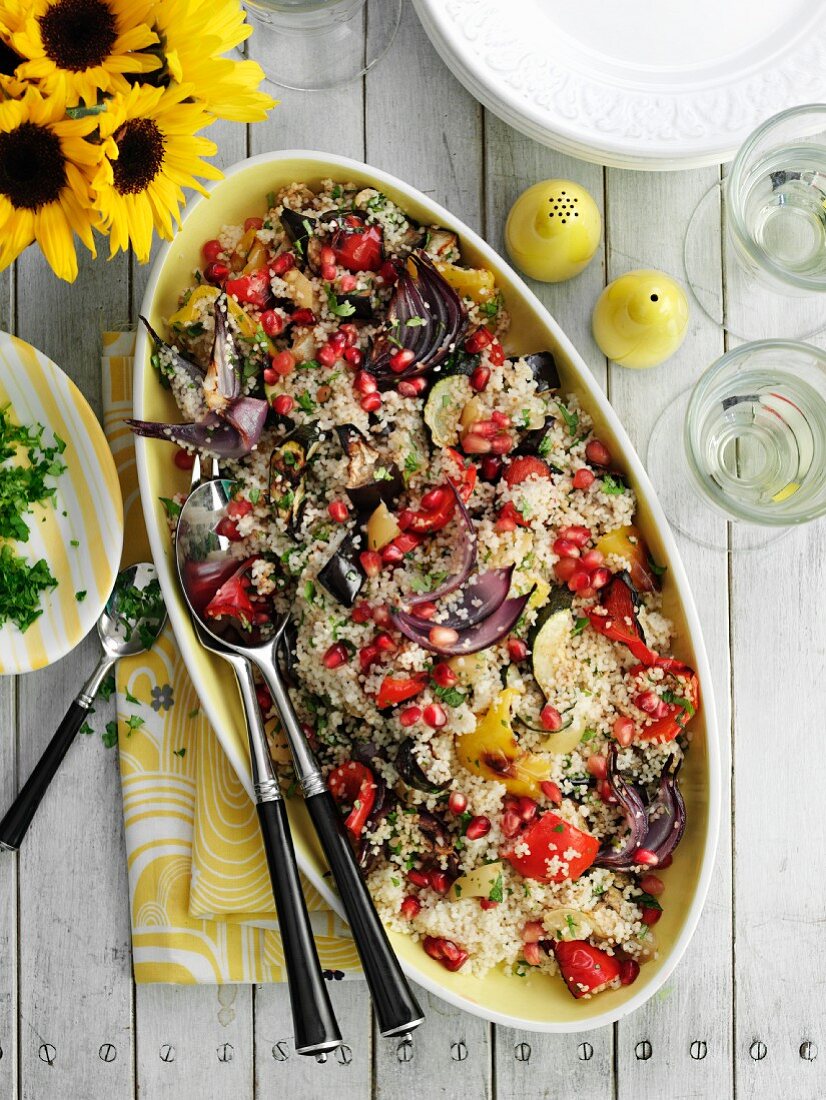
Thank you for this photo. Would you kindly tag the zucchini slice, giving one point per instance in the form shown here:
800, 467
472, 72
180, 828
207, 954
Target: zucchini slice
549, 638
443, 410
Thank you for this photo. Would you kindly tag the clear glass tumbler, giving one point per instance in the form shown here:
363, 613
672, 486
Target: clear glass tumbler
319, 44
747, 443
773, 207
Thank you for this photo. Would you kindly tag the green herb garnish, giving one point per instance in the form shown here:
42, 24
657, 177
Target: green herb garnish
110, 734
337, 308
173, 509
497, 890
179, 752
611, 486
579, 626
571, 419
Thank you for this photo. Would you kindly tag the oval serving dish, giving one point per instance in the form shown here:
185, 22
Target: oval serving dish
537, 1002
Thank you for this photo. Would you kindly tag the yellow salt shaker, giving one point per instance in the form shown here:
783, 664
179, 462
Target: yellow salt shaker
640, 319
553, 230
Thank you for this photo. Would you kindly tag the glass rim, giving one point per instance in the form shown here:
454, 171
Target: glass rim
743, 512
737, 223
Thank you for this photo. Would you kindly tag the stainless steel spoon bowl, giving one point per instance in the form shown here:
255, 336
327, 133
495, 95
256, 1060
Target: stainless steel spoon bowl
133, 617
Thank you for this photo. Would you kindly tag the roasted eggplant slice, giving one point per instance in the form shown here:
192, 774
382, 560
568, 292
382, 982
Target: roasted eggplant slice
299, 227
288, 464
411, 770
370, 481
544, 370
342, 575
362, 306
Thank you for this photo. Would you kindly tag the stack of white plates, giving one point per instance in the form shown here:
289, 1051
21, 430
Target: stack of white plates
650, 84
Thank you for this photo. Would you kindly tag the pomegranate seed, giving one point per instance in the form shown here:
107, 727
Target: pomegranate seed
578, 535
565, 548
453, 957
565, 568
283, 363
385, 643
184, 460
505, 521
550, 719
478, 340
392, 554
623, 731
532, 953
410, 907
486, 903
338, 511
407, 389
389, 272
400, 360
381, 615
327, 255
367, 655
272, 323
263, 696
652, 884
511, 823
666, 861
418, 384
216, 272
477, 827
418, 878
473, 444
527, 809
533, 931
443, 635
270, 376
370, 562
212, 250
629, 971
517, 649
283, 404
587, 593
405, 518
502, 444
583, 478
238, 508
351, 334
371, 402
597, 453
253, 223
648, 701
362, 613
597, 766
480, 378
328, 272
227, 529
440, 882
433, 947
578, 580
444, 675
650, 916
600, 577
337, 342
282, 264
302, 317
502, 420
491, 467
364, 382
354, 358
592, 559
410, 716
457, 802
335, 656
327, 355
434, 716
433, 499
551, 791
347, 283
646, 857
426, 610
496, 355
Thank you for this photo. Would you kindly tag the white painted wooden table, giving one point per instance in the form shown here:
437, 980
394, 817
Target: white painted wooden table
744, 1012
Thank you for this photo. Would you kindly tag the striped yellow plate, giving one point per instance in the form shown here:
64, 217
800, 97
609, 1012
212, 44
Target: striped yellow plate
87, 509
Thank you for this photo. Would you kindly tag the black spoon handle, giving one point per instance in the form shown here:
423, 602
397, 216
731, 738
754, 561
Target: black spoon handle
396, 1008
19, 816
314, 1022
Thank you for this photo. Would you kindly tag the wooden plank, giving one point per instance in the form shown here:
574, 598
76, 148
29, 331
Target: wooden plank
74, 938
279, 1070
682, 1038
546, 1067
193, 1041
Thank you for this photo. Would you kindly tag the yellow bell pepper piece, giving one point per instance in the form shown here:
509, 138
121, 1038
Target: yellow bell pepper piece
476, 283
493, 752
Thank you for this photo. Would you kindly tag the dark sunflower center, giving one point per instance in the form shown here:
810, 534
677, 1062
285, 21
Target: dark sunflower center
140, 155
9, 60
78, 34
32, 167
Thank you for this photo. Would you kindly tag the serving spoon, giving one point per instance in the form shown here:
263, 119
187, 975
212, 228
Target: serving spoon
131, 620
203, 552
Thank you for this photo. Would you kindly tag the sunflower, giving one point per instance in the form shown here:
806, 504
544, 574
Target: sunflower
80, 47
194, 34
46, 167
153, 152
12, 17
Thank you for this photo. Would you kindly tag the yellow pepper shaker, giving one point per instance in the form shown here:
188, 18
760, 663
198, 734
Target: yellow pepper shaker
553, 230
640, 319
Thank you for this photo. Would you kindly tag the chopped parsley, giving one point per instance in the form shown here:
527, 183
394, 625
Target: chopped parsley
110, 734
337, 308
81, 595
255, 495
194, 713
579, 626
588, 735
611, 486
545, 446
306, 402
133, 722
571, 419
179, 752
138, 609
107, 688
450, 695
173, 509
647, 901
309, 591
21, 585
656, 569
415, 322
497, 890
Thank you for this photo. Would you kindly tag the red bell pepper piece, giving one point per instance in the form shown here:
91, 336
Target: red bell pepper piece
465, 480
615, 617
352, 784
359, 249
551, 835
232, 599
425, 521
585, 969
395, 690
510, 511
675, 716
253, 289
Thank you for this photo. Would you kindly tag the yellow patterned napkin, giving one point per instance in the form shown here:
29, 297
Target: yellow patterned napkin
200, 899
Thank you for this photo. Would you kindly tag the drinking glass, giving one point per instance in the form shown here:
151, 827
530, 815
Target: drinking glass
320, 44
773, 207
747, 443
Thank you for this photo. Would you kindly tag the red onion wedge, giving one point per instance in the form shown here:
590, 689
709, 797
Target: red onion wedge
666, 814
222, 382
215, 434
480, 599
480, 636
176, 360
630, 800
425, 316
467, 562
